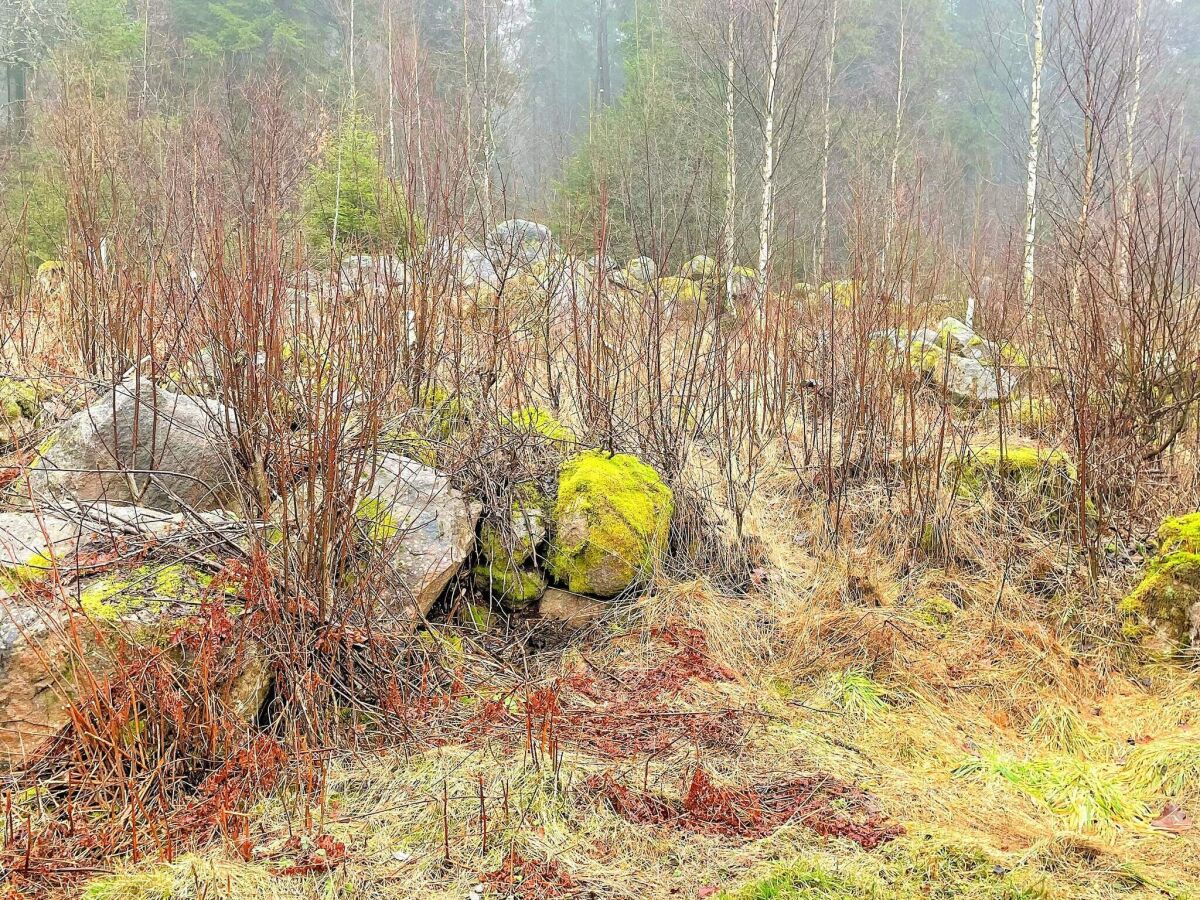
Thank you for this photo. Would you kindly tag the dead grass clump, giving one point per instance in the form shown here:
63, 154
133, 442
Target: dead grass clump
822, 803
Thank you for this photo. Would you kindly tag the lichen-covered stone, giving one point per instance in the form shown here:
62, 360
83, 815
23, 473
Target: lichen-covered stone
611, 518
422, 524
49, 656
141, 445
642, 268
1168, 597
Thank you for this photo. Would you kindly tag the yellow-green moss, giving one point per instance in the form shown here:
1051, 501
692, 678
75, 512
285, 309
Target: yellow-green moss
1171, 585
113, 597
1047, 472
516, 586
533, 420
512, 543
33, 568
611, 516
19, 399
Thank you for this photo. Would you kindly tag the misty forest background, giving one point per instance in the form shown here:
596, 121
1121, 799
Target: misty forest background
551, 105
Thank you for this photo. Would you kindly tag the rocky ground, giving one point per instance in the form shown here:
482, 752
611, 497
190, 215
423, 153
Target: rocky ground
408, 681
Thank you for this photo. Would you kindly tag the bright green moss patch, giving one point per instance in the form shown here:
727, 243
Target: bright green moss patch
1171, 586
511, 540
112, 598
33, 568
612, 516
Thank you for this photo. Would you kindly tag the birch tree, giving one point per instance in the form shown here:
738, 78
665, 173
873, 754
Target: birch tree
1037, 61
826, 142
768, 166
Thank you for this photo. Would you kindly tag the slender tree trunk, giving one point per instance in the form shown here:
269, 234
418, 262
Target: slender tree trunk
1031, 162
391, 98
489, 142
826, 145
603, 76
1131, 116
893, 205
768, 170
727, 250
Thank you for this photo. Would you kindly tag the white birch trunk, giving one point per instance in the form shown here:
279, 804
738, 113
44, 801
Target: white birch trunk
1035, 137
1131, 117
826, 146
727, 249
768, 170
893, 206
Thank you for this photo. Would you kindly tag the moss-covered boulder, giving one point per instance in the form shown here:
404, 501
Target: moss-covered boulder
611, 520
512, 536
20, 409
1040, 479
1168, 598
515, 586
52, 653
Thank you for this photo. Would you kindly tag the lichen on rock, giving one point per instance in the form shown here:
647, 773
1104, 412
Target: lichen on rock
611, 519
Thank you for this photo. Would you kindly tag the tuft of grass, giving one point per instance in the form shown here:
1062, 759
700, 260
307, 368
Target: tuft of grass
1168, 766
1089, 796
1059, 728
152, 884
856, 693
802, 881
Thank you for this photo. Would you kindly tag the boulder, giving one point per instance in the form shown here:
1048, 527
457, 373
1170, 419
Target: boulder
519, 241
20, 410
425, 527
51, 653
141, 445
642, 268
1166, 602
572, 610
612, 515
513, 538
515, 586
700, 268
602, 264
964, 378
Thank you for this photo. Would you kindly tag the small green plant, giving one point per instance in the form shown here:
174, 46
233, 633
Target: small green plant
802, 881
1059, 728
856, 693
1089, 796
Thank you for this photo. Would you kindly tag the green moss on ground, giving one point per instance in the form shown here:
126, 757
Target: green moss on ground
612, 517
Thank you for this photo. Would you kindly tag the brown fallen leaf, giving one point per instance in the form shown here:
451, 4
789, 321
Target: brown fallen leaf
1173, 819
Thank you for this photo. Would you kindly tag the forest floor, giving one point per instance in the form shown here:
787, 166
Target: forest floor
850, 726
